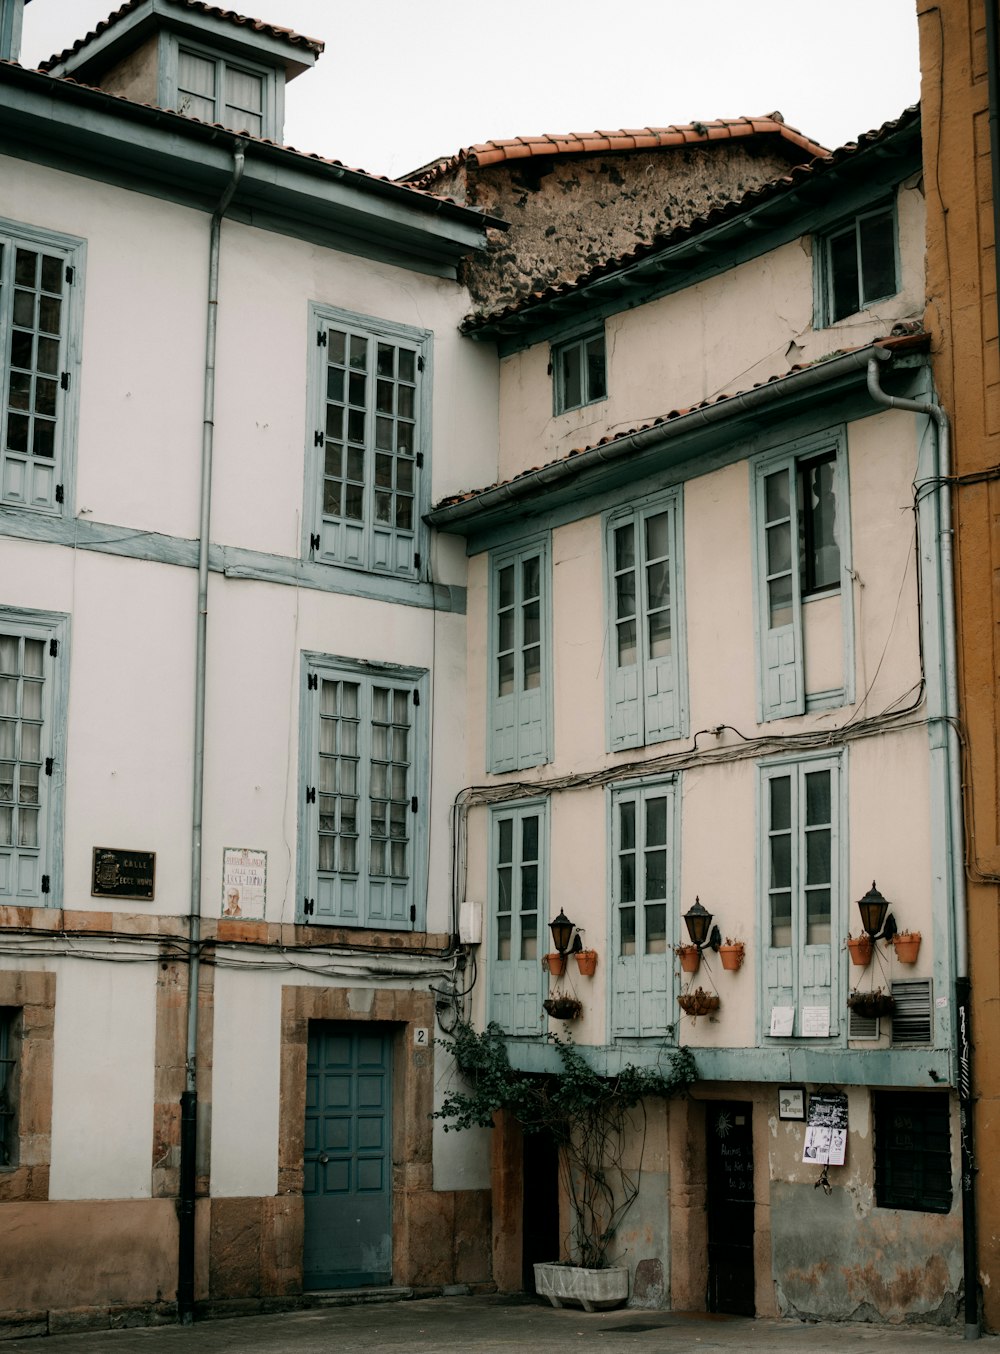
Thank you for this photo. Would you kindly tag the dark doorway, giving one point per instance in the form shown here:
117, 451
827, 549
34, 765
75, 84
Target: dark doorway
540, 1213
729, 1201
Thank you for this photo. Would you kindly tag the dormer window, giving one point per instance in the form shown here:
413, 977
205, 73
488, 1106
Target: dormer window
190, 56
216, 89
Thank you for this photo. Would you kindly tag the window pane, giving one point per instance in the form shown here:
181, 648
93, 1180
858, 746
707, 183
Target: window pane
658, 584
532, 623
656, 928
626, 877
818, 856
532, 669
779, 548
244, 90
818, 917
531, 577
818, 524
627, 655
529, 888
569, 365
626, 826
779, 598
195, 74
625, 594
781, 920
656, 874
878, 257
625, 547
781, 860
818, 801
660, 643
529, 936
627, 930
843, 261
506, 839
505, 586
658, 536
656, 821
505, 674
529, 838
597, 383
776, 496
503, 932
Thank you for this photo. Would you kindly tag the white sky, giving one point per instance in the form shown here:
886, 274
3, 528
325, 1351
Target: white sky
402, 82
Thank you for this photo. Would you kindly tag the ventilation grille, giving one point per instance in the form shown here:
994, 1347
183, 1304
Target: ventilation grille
862, 1027
913, 1018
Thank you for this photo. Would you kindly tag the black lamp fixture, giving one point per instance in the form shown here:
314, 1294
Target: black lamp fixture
562, 931
876, 918
698, 921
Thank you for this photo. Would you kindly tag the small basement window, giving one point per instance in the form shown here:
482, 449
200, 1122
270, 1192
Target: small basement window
580, 372
913, 1151
859, 261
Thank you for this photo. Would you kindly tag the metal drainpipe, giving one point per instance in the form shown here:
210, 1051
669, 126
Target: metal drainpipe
946, 590
189, 1096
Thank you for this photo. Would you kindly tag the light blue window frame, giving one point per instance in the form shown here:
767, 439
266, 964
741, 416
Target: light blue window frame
644, 894
11, 14
357, 892
777, 570
380, 547
40, 483
571, 364
519, 913
519, 732
800, 964
31, 864
272, 82
647, 697
823, 270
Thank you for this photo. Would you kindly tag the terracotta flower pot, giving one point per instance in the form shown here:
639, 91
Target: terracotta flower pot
555, 963
586, 962
732, 956
860, 948
907, 945
690, 957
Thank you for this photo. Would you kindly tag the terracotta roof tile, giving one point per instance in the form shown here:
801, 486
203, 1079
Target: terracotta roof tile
622, 139
229, 15
797, 174
906, 335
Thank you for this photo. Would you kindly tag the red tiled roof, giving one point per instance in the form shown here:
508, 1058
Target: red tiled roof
797, 175
228, 15
622, 139
906, 336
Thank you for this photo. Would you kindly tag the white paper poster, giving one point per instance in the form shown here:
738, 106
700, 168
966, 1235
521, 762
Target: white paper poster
826, 1130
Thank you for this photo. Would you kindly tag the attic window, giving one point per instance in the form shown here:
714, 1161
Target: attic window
215, 89
579, 372
859, 261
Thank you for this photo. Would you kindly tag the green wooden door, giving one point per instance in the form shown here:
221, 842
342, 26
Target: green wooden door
348, 1157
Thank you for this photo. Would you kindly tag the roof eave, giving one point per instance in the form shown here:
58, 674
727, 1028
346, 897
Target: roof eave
569, 475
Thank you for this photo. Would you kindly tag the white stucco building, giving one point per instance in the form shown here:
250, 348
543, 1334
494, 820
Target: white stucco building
709, 655
231, 652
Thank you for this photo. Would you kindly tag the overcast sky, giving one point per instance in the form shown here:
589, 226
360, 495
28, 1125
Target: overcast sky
402, 82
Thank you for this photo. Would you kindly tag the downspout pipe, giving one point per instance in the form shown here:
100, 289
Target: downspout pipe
189, 1096
946, 612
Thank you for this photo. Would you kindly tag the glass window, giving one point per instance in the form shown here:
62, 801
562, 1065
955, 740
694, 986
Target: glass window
361, 797
913, 1151
213, 89
37, 287
369, 446
519, 664
861, 263
580, 372
519, 892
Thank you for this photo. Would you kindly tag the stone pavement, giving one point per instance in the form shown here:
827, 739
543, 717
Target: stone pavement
481, 1325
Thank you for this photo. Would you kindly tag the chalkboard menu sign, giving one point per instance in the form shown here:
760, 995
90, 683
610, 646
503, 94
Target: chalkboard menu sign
120, 873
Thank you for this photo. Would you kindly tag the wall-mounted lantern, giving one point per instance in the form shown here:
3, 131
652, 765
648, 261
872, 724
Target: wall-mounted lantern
876, 918
698, 921
562, 933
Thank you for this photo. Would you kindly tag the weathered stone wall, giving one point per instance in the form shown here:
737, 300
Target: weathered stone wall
569, 213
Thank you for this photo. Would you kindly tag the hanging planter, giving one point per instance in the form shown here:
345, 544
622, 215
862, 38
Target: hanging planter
699, 1002
872, 1004
731, 954
555, 963
860, 950
690, 957
586, 962
907, 946
563, 1008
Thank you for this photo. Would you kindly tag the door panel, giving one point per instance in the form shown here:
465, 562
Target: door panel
348, 1157
729, 1152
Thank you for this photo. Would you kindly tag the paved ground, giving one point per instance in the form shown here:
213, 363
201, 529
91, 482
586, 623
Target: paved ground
481, 1325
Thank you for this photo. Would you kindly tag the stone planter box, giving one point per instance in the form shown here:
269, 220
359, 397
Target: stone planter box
595, 1290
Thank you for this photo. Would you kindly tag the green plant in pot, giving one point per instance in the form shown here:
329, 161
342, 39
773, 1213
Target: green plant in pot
588, 1117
